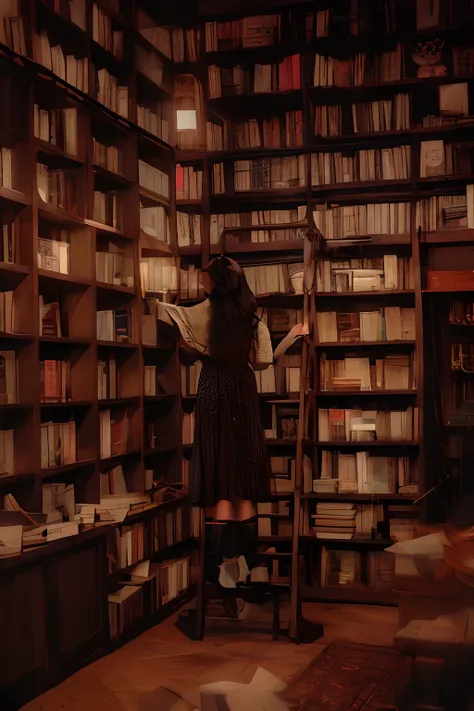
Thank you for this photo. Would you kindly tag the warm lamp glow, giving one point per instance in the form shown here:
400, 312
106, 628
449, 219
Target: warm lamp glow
186, 120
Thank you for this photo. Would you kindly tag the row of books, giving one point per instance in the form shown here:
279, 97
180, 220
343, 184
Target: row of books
342, 222
284, 421
188, 227
105, 208
8, 378
150, 384
150, 65
153, 179
255, 31
367, 274
113, 326
269, 173
159, 274
190, 286
129, 545
360, 18
394, 372
385, 115
127, 605
7, 312
107, 157
113, 267
438, 158
354, 425
461, 312
188, 183
153, 121
375, 164
73, 70
154, 222
360, 70
186, 43
275, 278
57, 126
111, 93
58, 444
390, 323
114, 432
8, 242
365, 473
7, 452
258, 79
12, 33
73, 10
257, 218
105, 34
279, 380
56, 188
276, 132
190, 378
53, 255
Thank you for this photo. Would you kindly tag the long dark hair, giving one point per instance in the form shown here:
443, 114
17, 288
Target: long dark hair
233, 313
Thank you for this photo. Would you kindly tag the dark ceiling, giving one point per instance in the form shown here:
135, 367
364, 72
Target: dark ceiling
189, 11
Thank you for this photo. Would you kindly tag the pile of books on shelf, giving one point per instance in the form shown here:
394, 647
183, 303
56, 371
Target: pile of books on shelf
356, 425
364, 473
55, 380
349, 221
269, 173
255, 31
153, 121
403, 519
113, 325
390, 323
188, 228
394, 372
159, 274
73, 70
153, 179
186, 43
111, 93
367, 274
188, 183
58, 444
104, 34
113, 267
361, 166
53, 255
57, 126
335, 520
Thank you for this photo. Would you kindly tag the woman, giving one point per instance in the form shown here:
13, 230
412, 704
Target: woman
230, 470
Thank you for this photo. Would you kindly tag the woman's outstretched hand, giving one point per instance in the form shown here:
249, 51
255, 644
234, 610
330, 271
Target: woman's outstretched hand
296, 332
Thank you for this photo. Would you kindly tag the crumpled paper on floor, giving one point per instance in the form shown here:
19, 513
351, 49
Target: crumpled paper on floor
260, 694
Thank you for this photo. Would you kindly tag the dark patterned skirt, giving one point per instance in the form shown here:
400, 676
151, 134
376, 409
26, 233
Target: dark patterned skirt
230, 459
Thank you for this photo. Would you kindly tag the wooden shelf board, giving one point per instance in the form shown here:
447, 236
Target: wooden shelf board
350, 594
111, 176
188, 202
448, 236
117, 344
68, 403
296, 194
55, 157
22, 338
385, 240
363, 294
123, 572
152, 247
152, 88
192, 250
331, 444
364, 393
235, 247
66, 282
115, 288
164, 397
157, 451
65, 468
59, 216
354, 542
274, 539
11, 275
12, 197
102, 228
16, 479
154, 197
117, 458
16, 406
115, 402
67, 340
363, 344
363, 186
320, 496
281, 442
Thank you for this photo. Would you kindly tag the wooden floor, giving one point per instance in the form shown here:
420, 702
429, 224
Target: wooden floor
164, 656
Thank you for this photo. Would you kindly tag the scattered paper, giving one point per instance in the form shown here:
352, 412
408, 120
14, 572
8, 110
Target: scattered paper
431, 546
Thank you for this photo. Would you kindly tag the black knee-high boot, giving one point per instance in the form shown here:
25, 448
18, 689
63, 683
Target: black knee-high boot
248, 537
